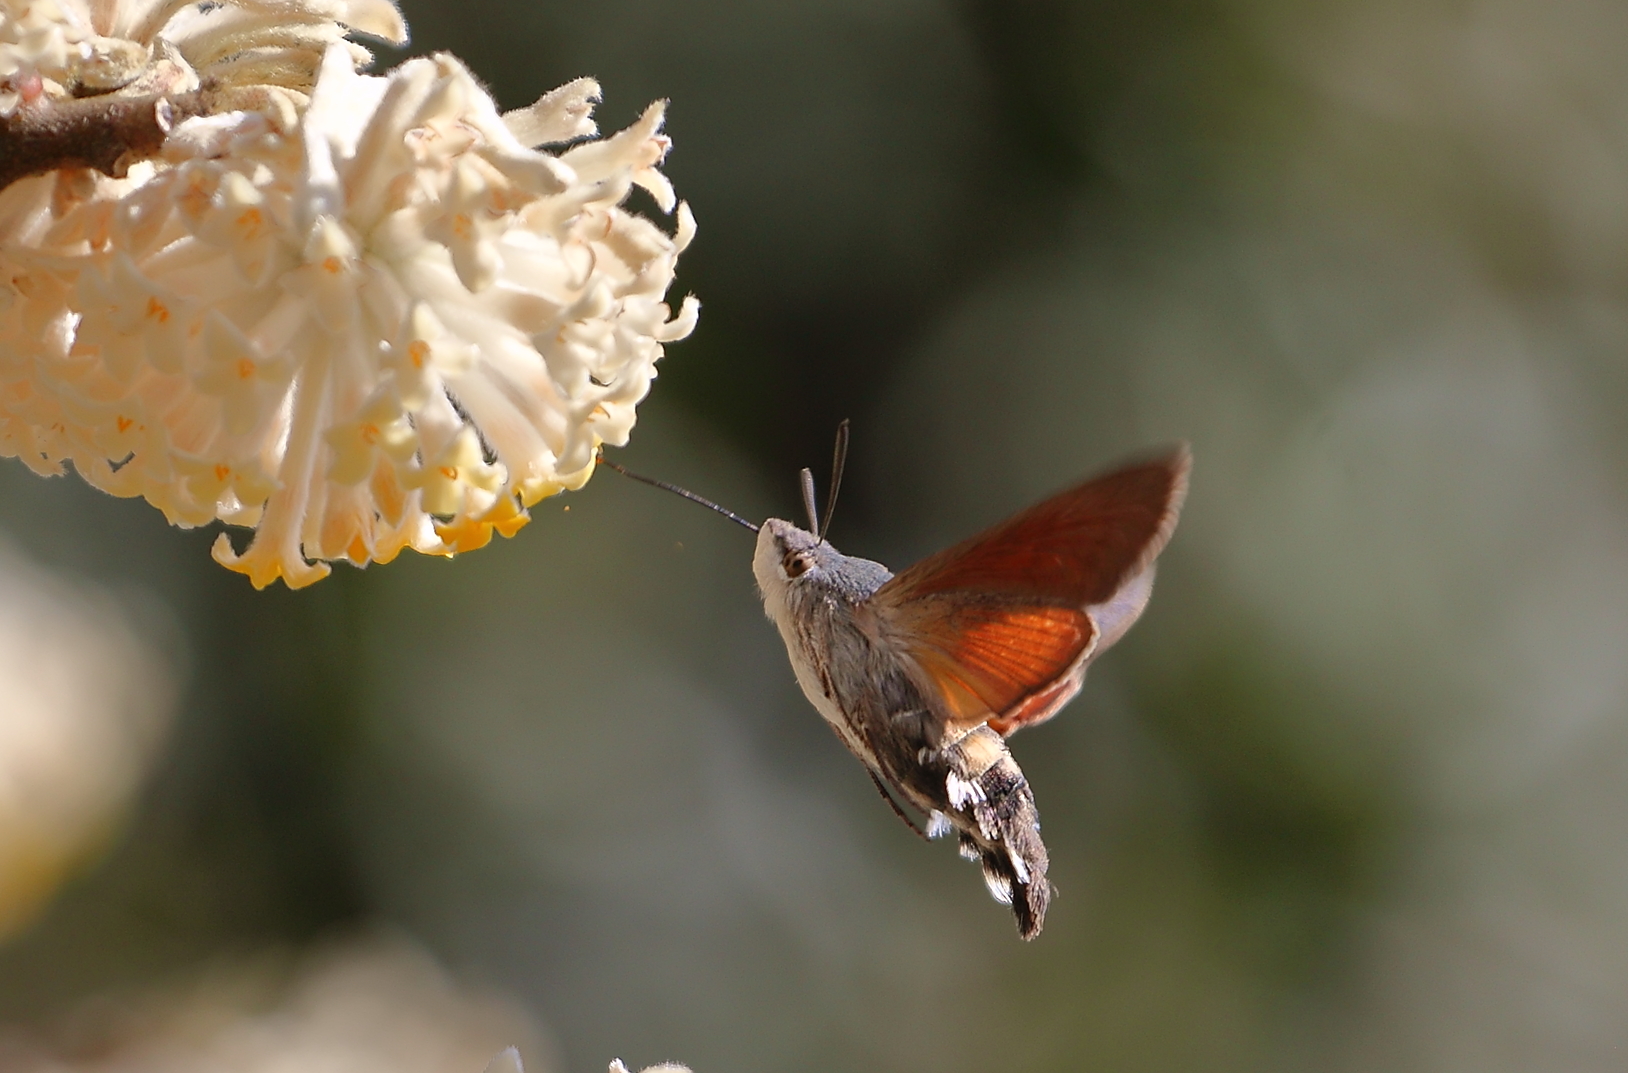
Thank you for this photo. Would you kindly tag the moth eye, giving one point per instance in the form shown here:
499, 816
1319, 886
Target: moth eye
795, 564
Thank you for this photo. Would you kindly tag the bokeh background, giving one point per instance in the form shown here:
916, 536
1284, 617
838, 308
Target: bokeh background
1352, 797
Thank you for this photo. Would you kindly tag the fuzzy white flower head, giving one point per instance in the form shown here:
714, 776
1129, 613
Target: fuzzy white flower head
396, 325
252, 53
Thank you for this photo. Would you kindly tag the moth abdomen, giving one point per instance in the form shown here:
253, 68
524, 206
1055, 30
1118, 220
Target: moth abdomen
993, 808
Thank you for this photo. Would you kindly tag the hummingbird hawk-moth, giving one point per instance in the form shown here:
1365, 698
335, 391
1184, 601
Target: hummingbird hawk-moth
923, 675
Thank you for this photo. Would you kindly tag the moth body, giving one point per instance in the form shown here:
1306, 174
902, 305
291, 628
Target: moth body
866, 689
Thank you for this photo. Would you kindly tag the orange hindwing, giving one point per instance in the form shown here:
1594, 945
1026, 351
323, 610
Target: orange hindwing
1001, 626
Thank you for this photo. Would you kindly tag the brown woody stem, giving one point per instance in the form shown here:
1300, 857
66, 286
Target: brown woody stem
107, 133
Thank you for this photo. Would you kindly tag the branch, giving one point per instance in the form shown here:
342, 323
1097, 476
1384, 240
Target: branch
107, 133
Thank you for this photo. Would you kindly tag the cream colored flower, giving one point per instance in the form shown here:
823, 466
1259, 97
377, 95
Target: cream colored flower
396, 324
252, 53
616, 1066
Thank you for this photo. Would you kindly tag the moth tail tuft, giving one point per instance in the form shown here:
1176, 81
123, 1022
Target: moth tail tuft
1014, 858
1015, 872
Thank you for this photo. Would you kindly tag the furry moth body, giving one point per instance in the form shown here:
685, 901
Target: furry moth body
923, 675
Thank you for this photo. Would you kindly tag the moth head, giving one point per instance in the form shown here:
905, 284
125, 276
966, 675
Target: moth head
787, 556
794, 568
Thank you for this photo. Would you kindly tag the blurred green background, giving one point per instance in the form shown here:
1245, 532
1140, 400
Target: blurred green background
1354, 794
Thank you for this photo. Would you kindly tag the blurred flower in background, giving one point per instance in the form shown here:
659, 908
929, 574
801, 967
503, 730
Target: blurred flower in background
369, 1003
85, 697
1352, 795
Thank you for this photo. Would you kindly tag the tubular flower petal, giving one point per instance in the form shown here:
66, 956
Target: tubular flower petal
393, 324
251, 53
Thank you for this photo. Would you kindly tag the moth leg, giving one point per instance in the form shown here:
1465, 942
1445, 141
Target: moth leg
894, 805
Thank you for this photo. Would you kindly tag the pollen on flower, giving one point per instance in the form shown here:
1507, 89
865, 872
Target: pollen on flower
356, 313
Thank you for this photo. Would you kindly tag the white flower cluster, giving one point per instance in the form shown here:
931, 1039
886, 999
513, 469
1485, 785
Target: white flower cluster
393, 323
255, 53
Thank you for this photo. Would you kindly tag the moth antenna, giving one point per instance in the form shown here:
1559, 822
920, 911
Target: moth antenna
677, 491
839, 459
808, 500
